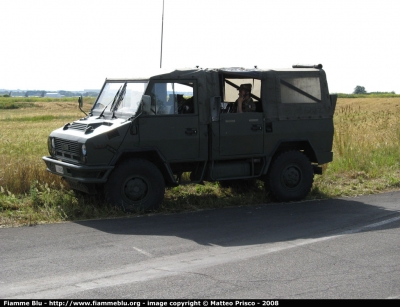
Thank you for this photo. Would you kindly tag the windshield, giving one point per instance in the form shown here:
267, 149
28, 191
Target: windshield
130, 102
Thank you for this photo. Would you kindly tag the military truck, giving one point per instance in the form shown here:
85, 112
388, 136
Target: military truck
143, 135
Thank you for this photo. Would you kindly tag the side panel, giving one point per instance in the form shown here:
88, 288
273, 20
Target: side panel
241, 134
318, 132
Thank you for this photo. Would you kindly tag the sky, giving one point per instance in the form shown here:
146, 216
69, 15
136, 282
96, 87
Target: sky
77, 44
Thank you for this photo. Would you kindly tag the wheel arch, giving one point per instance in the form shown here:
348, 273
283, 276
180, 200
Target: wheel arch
299, 145
152, 155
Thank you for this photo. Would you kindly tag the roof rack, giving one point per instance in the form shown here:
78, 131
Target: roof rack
318, 66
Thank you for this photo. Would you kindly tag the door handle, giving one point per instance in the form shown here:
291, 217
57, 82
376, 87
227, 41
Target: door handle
190, 131
268, 127
256, 127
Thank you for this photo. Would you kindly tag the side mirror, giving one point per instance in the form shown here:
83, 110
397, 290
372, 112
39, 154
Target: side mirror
146, 104
215, 105
80, 103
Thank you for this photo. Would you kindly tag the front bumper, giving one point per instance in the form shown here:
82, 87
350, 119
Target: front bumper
78, 173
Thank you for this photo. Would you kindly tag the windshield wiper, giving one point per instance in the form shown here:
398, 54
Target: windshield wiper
111, 102
121, 96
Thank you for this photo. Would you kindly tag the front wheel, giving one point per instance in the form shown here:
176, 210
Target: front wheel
135, 185
291, 176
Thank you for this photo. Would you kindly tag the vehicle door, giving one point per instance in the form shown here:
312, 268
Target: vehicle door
241, 133
171, 124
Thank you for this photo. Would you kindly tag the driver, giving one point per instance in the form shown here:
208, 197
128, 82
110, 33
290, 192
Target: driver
244, 103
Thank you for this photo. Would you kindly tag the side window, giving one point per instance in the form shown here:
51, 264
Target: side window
300, 90
172, 98
232, 85
231, 94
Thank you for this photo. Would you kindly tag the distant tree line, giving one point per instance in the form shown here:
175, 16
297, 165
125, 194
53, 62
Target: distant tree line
361, 90
392, 92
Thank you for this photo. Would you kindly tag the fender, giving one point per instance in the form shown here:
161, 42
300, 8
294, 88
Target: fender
153, 155
296, 144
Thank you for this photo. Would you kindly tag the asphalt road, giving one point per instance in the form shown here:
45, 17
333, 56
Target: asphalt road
338, 248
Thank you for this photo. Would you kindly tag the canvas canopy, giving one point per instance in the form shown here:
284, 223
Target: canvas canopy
285, 94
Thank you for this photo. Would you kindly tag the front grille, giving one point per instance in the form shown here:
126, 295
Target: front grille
67, 149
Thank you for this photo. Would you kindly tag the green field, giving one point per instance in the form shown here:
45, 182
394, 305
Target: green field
366, 160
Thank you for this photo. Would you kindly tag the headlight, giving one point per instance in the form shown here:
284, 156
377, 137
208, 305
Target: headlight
84, 149
51, 145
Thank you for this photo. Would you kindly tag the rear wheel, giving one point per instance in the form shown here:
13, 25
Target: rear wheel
135, 185
291, 176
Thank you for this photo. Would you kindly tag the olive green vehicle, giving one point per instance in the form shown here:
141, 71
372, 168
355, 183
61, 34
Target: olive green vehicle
142, 135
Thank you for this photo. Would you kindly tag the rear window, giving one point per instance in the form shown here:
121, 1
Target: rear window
300, 90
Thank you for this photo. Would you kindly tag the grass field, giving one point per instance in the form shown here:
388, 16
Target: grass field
366, 160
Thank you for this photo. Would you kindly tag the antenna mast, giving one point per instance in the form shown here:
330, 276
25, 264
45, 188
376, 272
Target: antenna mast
162, 31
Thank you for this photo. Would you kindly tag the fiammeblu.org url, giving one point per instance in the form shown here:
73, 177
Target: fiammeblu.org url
93, 303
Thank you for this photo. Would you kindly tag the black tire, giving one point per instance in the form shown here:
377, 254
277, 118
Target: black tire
290, 177
135, 185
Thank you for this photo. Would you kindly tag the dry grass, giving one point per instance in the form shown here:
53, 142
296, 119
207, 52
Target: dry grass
370, 105
23, 138
366, 148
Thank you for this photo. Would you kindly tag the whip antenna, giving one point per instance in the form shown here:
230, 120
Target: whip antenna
162, 31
